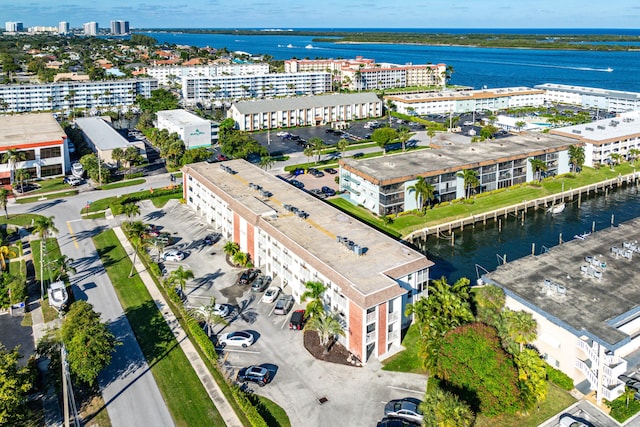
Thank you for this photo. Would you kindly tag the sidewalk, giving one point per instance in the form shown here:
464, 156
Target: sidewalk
209, 383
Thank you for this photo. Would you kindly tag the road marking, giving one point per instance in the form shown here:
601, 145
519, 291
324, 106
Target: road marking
406, 389
284, 322
73, 236
75, 220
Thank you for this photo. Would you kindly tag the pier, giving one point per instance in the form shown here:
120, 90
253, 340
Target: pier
520, 210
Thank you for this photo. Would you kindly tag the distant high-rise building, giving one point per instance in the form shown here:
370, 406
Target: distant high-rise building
119, 27
14, 27
90, 29
63, 27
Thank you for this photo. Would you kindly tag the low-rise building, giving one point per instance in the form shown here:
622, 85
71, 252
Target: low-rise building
41, 141
305, 110
102, 138
616, 101
585, 298
292, 236
193, 130
171, 74
605, 139
465, 101
69, 95
384, 184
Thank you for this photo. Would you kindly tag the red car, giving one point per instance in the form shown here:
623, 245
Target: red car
222, 157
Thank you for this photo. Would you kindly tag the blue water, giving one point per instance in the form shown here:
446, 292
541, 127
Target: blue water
475, 67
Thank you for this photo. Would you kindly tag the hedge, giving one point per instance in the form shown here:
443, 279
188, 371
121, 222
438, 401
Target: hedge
202, 338
134, 175
559, 378
248, 407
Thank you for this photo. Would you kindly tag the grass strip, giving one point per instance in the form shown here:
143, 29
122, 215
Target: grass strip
120, 184
23, 200
181, 388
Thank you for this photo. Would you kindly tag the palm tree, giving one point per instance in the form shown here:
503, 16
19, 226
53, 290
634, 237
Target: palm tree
43, 226
538, 167
5, 252
231, 248
520, 124
423, 191
309, 152
328, 326
519, 327
266, 162
431, 133
4, 199
317, 145
131, 209
209, 315
180, 276
403, 135
633, 155
117, 154
445, 409
314, 292
12, 157
470, 178
342, 145
135, 231
576, 157
62, 265
241, 258
131, 155
616, 158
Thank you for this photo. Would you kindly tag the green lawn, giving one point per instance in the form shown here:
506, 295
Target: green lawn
51, 185
52, 251
273, 414
181, 388
408, 360
362, 214
120, 184
51, 196
21, 220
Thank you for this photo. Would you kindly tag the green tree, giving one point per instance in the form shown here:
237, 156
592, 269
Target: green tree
135, 232
431, 132
209, 315
16, 383
241, 258
180, 276
538, 167
470, 179
132, 156
532, 377
5, 252
131, 209
383, 137
21, 177
616, 158
489, 301
88, 341
633, 155
266, 162
404, 134
520, 124
231, 248
517, 327
12, 157
444, 409
314, 292
576, 157
487, 132
43, 226
328, 326
317, 145
472, 359
4, 199
117, 154
423, 191
308, 151
62, 266
342, 145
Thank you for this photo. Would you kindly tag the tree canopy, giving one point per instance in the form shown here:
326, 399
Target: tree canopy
384, 136
16, 383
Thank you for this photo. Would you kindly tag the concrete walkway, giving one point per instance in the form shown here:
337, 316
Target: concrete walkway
209, 383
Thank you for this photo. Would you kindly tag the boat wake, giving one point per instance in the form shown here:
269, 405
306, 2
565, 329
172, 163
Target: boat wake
564, 67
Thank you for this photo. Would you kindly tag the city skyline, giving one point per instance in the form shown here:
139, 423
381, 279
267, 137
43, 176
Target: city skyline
332, 14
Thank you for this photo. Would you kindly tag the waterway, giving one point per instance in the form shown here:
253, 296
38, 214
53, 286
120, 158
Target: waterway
486, 244
475, 67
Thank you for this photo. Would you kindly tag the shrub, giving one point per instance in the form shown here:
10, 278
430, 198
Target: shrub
134, 175
558, 377
155, 269
116, 208
248, 407
620, 411
201, 338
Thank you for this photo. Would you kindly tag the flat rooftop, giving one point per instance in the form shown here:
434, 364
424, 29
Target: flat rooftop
182, 117
101, 134
593, 91
372, 273
626, 126
590, 306
307, 102
464, 94
21, 129
401, 167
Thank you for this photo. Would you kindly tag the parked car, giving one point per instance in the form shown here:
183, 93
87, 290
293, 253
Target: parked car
248, 276
407, 409
317, 192
358, 155
218, 310
256, 374
297, 320
331, 171
271, 294
151, 230
72, 180
396, 422
261, 283
328, 191
222, 158
570, 421
283, 305
173, 255
236, 339
296, 183
211, 239
317, 173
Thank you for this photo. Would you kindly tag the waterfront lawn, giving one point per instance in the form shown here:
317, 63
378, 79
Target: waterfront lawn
362, 214
181, 388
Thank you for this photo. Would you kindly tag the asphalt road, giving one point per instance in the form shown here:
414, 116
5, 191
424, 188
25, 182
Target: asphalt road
129, 390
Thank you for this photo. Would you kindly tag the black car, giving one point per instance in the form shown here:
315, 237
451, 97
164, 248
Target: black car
396, 422
256, 374
296, 183
318, 174
328, 191
261, 283
331, 171
249, 276
211, 239
358, 155
297, 320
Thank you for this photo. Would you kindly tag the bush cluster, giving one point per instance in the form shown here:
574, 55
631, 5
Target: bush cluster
248, 408
559, 378
134, 175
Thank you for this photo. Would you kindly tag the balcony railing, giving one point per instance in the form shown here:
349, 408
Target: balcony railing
612, 394
393, 316
394, 335
371, 337
371, 317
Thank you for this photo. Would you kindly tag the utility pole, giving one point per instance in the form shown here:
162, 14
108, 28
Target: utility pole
99, 172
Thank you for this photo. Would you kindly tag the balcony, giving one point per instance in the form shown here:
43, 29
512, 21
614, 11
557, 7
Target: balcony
613, 393
371, 317
590, 351
393, 316
394, 335
370, 337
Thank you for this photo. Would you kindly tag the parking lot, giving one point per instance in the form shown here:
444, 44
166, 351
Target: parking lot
355, 396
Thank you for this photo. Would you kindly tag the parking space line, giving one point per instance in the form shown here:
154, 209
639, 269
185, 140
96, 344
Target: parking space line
284, 322
406, 389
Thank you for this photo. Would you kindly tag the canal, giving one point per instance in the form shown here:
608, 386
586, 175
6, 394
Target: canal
485, 245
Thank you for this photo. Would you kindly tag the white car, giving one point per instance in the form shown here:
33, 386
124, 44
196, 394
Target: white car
281, 134
218, 310
173, 255
467, 123
236, 339
569, 421
271, 294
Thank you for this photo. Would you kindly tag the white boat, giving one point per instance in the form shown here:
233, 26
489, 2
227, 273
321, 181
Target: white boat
556, 209
289, 45
58, 295
309, 46
77, 170
609, 69
582, 236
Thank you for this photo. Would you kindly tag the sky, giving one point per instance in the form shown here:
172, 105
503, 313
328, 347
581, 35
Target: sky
328, 13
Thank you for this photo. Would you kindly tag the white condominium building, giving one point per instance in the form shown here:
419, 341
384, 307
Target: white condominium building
68, 95
63, 27
168, 74
90, 28
205, 89
466, 101
615, 101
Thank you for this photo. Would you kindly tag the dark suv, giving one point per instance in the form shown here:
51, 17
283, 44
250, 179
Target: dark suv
256, 374
297, 320
248, 276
